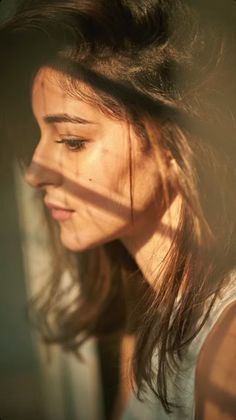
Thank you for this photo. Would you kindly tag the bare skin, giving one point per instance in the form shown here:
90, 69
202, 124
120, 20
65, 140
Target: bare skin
82, 164
216, 371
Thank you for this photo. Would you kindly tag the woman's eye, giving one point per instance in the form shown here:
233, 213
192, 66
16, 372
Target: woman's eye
73, 144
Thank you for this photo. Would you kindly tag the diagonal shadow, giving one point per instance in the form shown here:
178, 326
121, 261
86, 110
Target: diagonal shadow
106, 203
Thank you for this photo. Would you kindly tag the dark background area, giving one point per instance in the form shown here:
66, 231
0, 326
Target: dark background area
20, 393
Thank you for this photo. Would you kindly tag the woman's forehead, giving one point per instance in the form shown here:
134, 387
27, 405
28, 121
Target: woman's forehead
52, 88
57, 82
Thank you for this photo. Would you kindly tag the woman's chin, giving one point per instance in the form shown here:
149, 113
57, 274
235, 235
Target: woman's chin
77, 243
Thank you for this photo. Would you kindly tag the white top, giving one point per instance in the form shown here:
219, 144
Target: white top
181, 386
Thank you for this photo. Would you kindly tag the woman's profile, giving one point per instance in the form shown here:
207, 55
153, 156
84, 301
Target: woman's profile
135, 158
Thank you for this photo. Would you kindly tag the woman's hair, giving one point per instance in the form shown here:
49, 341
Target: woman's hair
156, 63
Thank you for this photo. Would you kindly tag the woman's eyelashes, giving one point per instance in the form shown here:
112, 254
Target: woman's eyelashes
73, 144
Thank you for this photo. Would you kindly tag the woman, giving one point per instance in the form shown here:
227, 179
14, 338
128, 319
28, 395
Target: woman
136, 161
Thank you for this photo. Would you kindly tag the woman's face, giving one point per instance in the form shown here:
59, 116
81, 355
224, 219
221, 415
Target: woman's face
82, 163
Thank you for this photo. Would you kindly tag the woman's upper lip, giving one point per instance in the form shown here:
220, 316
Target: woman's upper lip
52, 205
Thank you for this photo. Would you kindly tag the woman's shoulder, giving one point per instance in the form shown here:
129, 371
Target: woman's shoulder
196, 369
226, 298
216, 365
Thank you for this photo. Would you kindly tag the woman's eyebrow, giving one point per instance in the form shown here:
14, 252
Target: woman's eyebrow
65, 118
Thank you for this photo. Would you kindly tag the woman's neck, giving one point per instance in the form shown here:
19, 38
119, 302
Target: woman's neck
152, 242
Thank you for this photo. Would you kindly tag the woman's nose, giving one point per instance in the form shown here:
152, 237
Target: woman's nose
42, 170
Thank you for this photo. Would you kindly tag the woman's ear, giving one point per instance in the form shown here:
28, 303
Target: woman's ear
170, 161
171, 167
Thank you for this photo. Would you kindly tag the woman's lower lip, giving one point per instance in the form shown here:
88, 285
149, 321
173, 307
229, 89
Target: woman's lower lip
61, 214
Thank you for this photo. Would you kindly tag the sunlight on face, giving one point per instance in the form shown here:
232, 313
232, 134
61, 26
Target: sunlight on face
82, 163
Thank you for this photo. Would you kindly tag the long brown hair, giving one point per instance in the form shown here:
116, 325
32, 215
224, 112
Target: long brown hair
155, 62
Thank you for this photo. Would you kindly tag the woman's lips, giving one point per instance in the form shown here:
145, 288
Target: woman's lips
59, 213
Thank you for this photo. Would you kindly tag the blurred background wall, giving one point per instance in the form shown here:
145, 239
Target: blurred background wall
20, 391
